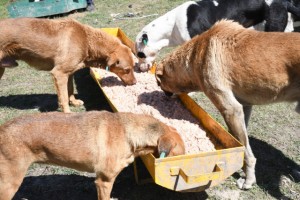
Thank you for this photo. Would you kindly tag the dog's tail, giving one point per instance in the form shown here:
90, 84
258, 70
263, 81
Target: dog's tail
6, 62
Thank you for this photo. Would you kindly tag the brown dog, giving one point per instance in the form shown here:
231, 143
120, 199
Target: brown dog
62, 46
100, 142
236, 68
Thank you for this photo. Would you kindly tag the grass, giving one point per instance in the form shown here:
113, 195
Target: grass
274, 129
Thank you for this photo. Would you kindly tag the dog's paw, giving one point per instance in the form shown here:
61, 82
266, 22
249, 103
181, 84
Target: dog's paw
76, 102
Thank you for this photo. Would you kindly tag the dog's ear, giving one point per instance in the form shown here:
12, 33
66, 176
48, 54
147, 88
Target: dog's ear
171, 144
158, 73
159, 69
112, 59
145, 39
135, 59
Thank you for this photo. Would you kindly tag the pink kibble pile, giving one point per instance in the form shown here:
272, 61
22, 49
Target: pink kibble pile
146, 97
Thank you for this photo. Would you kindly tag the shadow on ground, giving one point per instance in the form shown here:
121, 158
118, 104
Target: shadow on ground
42, 102
87, 90
75, 187
271, 166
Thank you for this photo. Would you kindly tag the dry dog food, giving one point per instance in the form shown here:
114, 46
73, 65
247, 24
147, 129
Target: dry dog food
146, 97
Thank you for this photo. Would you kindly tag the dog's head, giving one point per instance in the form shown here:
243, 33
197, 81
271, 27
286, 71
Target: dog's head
121, 62
171, 143
173, 78
147, 51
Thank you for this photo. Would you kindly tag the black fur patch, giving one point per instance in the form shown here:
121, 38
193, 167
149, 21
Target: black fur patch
203, 15
200, 17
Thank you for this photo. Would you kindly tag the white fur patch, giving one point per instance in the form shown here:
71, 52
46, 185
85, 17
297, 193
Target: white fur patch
290, 25
215, 3
269, 2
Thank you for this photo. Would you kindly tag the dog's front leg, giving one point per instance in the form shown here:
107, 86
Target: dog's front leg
73, 100
232, 112
104, 187
61, 82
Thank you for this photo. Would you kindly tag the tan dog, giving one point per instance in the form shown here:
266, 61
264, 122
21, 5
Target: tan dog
62, 46
236, 68
100, 142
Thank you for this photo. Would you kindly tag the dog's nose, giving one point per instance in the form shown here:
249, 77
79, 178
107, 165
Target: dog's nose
134, 82
169, 94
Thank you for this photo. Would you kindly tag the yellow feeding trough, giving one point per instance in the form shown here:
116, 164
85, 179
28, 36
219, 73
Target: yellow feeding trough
121, 35
194, 172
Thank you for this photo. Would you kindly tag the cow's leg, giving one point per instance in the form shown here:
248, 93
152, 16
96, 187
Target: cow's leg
232, 111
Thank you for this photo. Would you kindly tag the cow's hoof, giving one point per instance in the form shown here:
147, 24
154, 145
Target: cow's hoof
243, 184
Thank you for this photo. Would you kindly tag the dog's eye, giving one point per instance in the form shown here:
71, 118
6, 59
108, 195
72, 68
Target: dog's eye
141, 55
127, 70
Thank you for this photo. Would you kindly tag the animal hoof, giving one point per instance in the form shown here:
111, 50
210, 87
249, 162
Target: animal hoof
244, 184
76, 102
240, 182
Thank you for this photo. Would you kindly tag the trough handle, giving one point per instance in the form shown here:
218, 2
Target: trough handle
190, 179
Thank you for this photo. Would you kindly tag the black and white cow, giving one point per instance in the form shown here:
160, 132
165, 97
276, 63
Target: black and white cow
192, 18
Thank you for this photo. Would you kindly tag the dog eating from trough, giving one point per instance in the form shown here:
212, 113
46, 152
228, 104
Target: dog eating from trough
236, 68
95, 141
63, 46
194, 17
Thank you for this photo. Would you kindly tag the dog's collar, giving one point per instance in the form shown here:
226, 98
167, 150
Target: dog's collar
145, 42
162, 155
107, 68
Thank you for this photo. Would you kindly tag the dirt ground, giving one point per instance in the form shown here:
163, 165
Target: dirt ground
81, 187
